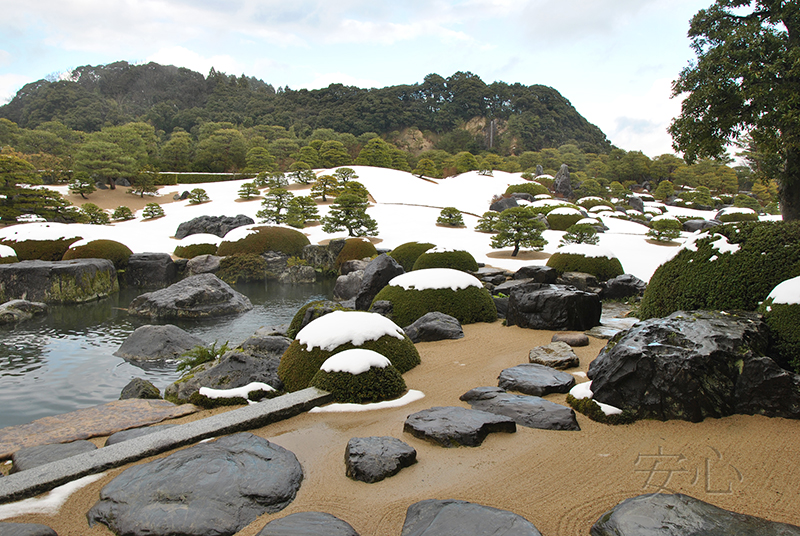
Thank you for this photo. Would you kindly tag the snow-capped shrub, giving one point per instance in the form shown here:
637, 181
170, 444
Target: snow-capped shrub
261, 239
357, 376
733, 214
601, 208
298, 319
732, 266
354, 249
533, 188
781, 312
449, 291
100, 249
586, 258
450, 217
562, 218
406, 254
339, 331
44, 250
446, 258
7, 255
242, 268
664, 229
593, 201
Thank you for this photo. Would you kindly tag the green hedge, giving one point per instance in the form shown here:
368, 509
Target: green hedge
407, 254
457, 260
708, 279
602, 268
355, 249
266, 239
373, 385
191, 251
468, 305
101, 249
45, 250
199, 178
533, 188
784, 324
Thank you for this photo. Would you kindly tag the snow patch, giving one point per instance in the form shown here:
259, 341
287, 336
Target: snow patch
564, 211
787, 292
355, 361
51, 503
411, 396
584, 390
435, 278
236, 391
200, 238
6, 251
587, 250
340, 327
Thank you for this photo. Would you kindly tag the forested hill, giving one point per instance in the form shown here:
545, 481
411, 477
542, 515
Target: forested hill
529, 118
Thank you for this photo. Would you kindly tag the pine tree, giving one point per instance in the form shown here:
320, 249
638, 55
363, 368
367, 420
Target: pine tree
274, 204
349, 212
81, 185
324, 186
301, 210
248, 190
518, 227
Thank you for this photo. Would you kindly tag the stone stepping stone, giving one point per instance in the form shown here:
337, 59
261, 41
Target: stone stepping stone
452, 426
434, 326
461, 517
534, 379
557, 355
25, 529
572, 339
133, 433
30, 457
529, 411
372, 459
217, 487
308, 524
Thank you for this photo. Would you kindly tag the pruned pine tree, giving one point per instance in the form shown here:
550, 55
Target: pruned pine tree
349, 212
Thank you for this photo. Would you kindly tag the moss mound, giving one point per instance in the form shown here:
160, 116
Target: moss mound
242, 268
297, 320
355, 249
101, 249
783, 320
468, 305
457, 260
740, 214
194, 250
44, 250
533, 188
561, 219
709, 274
407, 254
603, 268
265, 239
374, 384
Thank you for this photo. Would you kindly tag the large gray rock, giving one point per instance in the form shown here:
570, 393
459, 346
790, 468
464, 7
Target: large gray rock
558, 355
529, 411
434, 326
215, 488
553, 307
150, 270
693, 365
561, 183
323, 257
503, 203
353, 265
198, 296
661, 514
623, 286
74, 281
537, 273
377, 275
579, 280
308, 524
452, 517
14, 311
636, 203
298, 275
216, 225
25, 529
372, 459
692, 226
456, 426
536, 380
203, 264
140, 388
30, 457
157, 344
347, 286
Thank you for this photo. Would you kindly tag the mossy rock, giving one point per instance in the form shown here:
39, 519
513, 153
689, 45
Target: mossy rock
533, 188
570, 259
43, 250
242, 268
355, 249
375, 384
711, 275
407, 254
210, 403
266, 238
297, 320
467, 305
191, 251
591, 409
101, 249
562, 218
457, 260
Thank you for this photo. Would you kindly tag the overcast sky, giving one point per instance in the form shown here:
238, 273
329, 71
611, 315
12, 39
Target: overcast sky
614, 60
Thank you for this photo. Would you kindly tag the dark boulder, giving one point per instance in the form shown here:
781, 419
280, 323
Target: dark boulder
579, 280
347, 286
573, 339
693, 365
377, 275
456, 426
353, 265
30, 457
553, 307
538, 274
623, 286
140, 388
661, 514
323, 256
451, 517
298, 274
156, 344
73, 281
14, 311
529, 411
372, 459
216, 225
503, 203
507, 287
692, 226
434, 326
217, 487
557, 355
501, 304
535, 379
25, 529
308, 524
203, 264
636, 203
198, 296
150, 270
562, 186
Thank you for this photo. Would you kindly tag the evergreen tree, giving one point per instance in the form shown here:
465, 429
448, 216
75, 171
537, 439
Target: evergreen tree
248, 190
580, 233
425, 168
450, 217
345, 174
197, 196
664, 190
275, 202
301, 209
145, 182
487, 222
349, 212
324, 186
96, 215
152, 211
122, 213
81, 185
518, 227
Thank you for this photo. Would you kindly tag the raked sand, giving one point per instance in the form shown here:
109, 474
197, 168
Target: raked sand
560, 481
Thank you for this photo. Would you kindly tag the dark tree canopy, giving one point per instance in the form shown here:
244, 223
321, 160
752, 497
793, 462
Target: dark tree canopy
745, 82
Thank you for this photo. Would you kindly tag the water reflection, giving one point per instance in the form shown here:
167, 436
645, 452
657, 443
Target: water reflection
64, 360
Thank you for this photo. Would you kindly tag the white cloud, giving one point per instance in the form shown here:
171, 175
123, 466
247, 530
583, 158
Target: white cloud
10, 84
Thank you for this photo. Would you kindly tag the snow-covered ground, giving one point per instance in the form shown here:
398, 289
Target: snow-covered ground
406, 209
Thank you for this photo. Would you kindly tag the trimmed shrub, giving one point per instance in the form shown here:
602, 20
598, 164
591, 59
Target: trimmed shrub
372, 385
297, 320
152, 211
122, 213
197, 196
407, 254
735, 214
745, 201
783, 319
101, 249
562, 218
664, 229
242, 268
733, 266
191, 251
455, 259
355, 248
587, 259
593, 201
44, 250
265, 239
580, 233
533, 188
487, 222
450, 217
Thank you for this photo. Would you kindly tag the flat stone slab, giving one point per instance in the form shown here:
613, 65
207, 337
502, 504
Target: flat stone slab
308, 524
529, 411
534, 379
25, 529
133, 433
372, 459
96, 421
30, 457
453, 426
451, 517
213, 488
558, 355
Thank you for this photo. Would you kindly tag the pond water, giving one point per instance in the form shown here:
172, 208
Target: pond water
63, 361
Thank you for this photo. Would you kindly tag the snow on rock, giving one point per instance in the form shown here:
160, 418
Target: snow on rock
340, 327
200, 238
6, 251
355, 361
411, 396
542, 196
544, 203
787, 292
435, 278
236, 391
587, 250
584, 390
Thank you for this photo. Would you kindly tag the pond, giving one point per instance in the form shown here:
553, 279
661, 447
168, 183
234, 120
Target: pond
64, 360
